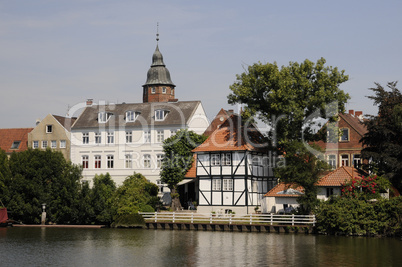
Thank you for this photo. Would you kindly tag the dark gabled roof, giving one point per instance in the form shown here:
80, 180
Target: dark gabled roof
179, 113
9, 136
355, 123
65, 122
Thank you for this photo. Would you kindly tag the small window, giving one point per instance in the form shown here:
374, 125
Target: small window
131, 116
226, 159
330, 192
345, 160
332, 161
161, 114
227, 185
35, 144
62, 143
44, 144
159, 159
345, 134
164, 90
129, 137
215, 160
110, 137
357, 161
15, 145
104, 116
160, 137
147, 136
216, 184
110, 161
49, 128
129, 161
153, 90
147, 161
173, 132
172, 91
98, 161
53, 144
85, 161
98, 138
85, 138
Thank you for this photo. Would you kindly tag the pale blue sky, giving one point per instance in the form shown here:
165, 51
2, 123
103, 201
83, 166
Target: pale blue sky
58, 53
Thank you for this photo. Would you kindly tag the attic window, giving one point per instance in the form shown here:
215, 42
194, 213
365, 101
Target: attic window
132, 115
16, 145
345, 134
104, 116
161, 114
49, 128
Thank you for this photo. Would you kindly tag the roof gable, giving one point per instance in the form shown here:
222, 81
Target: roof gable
354, 123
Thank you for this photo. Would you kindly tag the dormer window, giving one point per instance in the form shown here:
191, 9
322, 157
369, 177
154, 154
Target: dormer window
16, 145
104, 116
132, 115
161, 114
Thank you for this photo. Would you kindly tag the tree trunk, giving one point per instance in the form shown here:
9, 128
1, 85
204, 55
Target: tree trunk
176, 205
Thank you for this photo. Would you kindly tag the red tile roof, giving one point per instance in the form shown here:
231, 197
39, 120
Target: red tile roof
285, 190
355, 123
8, 136
233, 136
340, 176
192, 172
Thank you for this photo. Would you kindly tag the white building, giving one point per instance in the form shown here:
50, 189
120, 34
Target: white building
121, 139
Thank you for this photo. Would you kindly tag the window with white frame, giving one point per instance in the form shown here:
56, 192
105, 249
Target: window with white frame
129, 161
147, 161
345, 160
216, 184
15, 145
35, 144
345, 135
98, 138
104, 116
62, 143
226, 159
98, 161
173, 132
159, 159
110, 137
85, 162
44, 144
53, 144
131, 116
129, 137
110, 161
163, 90
160, 114
160, 136
332, 161
147, 136
227, 184
85, 138
215, 160
153, 90
172, 91
357, 161
49, 128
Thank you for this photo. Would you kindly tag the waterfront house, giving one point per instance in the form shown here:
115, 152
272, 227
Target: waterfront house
14, 140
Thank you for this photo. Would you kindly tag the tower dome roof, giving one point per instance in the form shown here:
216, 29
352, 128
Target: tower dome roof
158, 74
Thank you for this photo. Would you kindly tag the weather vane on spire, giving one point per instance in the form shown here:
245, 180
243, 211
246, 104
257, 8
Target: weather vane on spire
157, 32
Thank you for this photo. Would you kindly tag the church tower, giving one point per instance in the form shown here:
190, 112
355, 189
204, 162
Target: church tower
158, 87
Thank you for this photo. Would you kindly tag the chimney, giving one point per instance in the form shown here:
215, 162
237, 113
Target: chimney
351, 112
359, 114
89, 102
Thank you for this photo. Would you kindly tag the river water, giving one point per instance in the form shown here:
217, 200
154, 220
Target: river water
139, 247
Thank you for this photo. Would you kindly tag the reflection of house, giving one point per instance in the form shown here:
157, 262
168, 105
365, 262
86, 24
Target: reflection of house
346, 150
125, 138
52, 132
14, 140
283, 197
233, 168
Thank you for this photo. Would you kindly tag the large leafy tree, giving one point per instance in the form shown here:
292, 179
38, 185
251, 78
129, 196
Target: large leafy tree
103, 191
383, 140
5, 176
289, 99
178, 159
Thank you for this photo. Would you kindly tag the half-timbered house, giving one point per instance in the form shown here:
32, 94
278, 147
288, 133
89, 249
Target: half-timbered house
233, 168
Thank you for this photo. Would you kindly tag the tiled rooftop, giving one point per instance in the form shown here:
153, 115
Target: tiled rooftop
9, 136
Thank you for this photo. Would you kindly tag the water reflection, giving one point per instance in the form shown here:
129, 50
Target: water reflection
134, 247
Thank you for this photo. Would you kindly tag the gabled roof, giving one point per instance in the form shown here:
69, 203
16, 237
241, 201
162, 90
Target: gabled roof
285, 190
233, 135
65, 122
354, 122
9, 136
340, 176
218, 120
179, 113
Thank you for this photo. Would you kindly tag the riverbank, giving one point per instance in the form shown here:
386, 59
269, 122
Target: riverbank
58, 226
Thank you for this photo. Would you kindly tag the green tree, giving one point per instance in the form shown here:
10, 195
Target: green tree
289, 99
103, 191
178, 159
134, 195
5, 176
383, 140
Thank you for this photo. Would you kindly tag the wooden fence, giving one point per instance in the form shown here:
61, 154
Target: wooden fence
211, 218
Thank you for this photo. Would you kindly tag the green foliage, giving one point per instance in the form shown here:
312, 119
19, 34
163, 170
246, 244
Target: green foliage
365, 188
352, 216
383, 140
134, 195
284, 98
128, 221
103, 192
302, 168
5, 175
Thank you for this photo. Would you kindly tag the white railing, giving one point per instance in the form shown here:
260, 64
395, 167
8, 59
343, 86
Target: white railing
191, 217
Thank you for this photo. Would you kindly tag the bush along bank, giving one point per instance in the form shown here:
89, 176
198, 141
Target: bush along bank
351, 216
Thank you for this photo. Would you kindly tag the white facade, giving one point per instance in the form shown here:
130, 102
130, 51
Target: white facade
123, 147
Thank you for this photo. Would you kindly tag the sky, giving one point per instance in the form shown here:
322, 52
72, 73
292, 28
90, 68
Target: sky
55, 54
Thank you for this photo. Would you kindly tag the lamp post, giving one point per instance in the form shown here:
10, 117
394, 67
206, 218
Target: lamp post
43, 214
